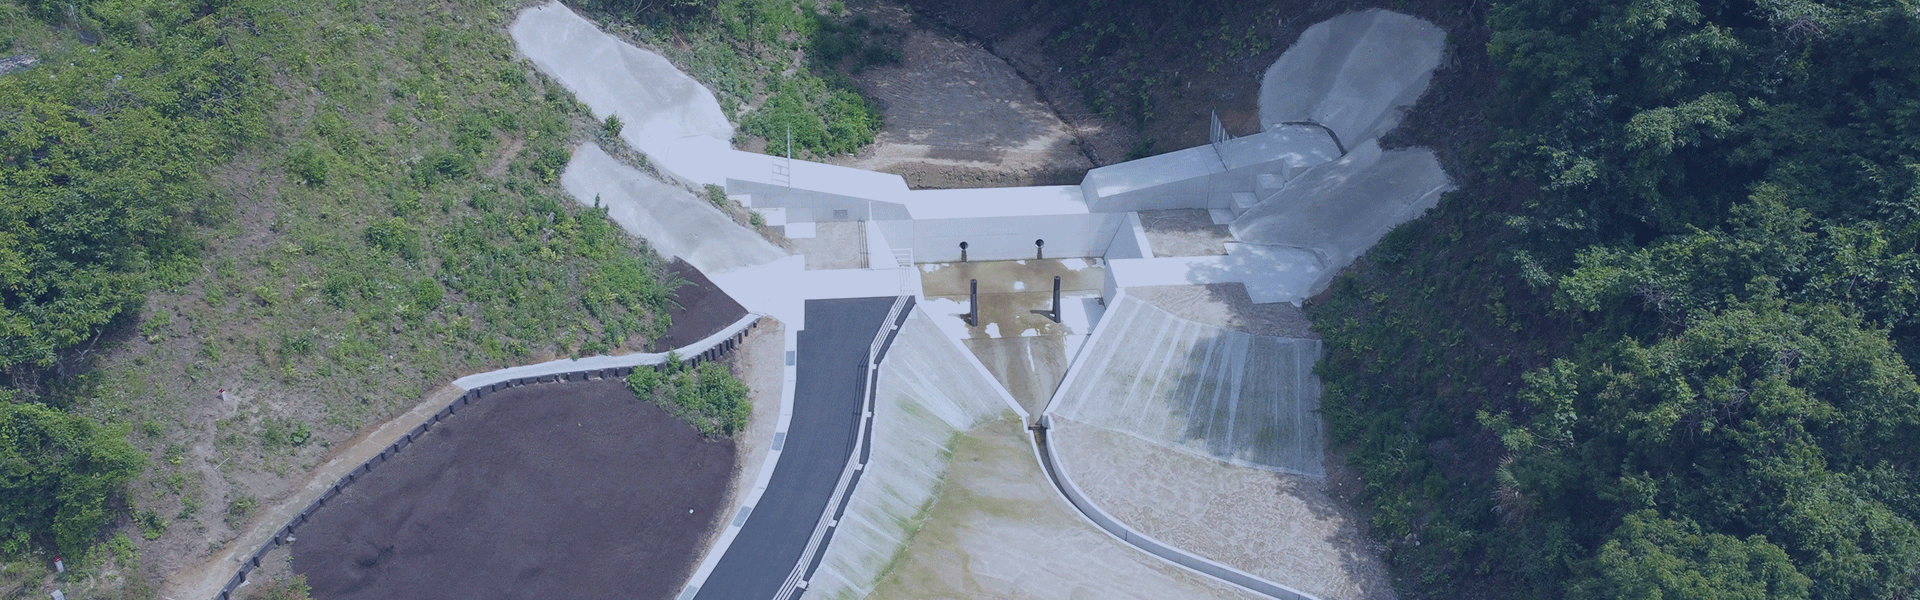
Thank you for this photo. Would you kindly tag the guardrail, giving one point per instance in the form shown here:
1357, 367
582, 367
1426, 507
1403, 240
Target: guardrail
715, 351
856, 461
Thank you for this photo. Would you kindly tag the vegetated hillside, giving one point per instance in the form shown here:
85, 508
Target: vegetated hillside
777, 67
324, 208
1662, 341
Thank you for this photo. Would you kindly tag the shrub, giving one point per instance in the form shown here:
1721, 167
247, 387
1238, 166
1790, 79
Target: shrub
395, 235
308, 165
708, 397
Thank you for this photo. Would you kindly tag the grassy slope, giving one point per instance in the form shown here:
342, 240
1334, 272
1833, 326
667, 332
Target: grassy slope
397, 226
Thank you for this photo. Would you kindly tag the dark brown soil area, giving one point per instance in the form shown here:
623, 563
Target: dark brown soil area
517, 497
699, 309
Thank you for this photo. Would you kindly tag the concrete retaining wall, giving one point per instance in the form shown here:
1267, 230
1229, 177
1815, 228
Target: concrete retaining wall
1106, 522
718, 349
1011, 238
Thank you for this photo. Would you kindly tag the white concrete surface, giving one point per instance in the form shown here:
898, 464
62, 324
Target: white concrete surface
1344, 207
667, 115
781, 288
927, 395
1245, 399
1356, 74
669, 218
1207, 176
757, 172
1270, 273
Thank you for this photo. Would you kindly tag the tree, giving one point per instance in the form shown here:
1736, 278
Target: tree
60, 475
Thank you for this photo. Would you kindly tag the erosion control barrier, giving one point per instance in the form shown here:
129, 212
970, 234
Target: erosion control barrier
715, 350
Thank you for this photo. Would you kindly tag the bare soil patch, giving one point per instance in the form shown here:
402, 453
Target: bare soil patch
1184, 232
699, 308
834, 245
957, 116
548, 491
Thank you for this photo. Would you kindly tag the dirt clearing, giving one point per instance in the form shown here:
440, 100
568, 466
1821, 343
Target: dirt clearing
956, 116
546, 491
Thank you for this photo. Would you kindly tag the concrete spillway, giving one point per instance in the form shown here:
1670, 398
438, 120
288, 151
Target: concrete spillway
929, 392
1234, 396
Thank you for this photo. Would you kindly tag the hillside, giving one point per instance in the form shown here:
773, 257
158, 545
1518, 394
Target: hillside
1660, 343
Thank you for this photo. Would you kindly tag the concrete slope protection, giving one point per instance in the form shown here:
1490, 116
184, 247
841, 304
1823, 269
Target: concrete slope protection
668, 115
1342, 208
828, 399
1355, 74
1232, 396
669, 218
928, 392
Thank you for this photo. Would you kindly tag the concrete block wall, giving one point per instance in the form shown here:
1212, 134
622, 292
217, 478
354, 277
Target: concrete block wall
1186, 184
804, 205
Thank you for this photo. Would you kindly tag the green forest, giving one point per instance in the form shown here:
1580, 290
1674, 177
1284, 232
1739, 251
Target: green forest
1661, 343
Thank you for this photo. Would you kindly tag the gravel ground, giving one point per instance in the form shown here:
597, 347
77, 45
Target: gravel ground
1184, 232
1226, 305
1284, 528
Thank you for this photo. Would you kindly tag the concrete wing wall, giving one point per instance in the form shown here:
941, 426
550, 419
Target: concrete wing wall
669, 218
1355, 73
1344, 207
1011, 238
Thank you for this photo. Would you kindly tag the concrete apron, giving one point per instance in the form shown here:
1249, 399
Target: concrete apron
1019, 343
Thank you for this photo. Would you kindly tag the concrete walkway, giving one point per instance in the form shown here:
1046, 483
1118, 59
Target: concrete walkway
667, 115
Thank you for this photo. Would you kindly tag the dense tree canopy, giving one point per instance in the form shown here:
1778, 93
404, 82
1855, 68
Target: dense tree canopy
1719, 256
102, 159
61, 476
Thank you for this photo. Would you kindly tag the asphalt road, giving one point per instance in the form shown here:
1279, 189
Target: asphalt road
829, 381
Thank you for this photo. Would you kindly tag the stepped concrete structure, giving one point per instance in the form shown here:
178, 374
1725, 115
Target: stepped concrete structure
1246, 399
1300, 200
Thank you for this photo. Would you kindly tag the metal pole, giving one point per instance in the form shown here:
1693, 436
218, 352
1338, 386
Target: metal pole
1056, 300
973, 302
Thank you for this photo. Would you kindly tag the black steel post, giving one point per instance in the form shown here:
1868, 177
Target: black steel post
1056, 300
973, 302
